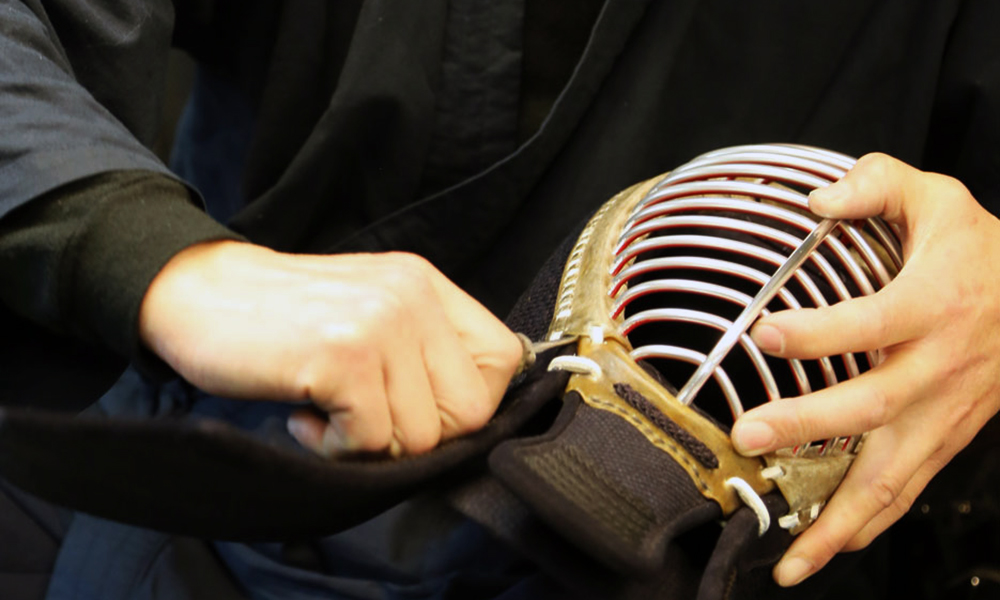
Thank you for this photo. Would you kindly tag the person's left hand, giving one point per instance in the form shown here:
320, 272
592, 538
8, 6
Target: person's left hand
938, 325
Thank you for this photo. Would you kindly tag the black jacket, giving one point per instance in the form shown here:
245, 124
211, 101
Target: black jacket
475, 133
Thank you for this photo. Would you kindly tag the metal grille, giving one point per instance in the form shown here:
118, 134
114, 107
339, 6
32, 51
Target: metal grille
706, 238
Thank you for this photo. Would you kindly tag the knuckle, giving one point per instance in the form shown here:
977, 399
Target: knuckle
949, 183
878, 408
380, 311
885, 490
876, 162
962, 424
405, 280
512, 351
419, 440
956, 303
351, 348
477, 415
796, 430
505, 356
877, 320
902, 505
860, 541
793, 427
383, 309
826, 539
831, 546
408, 260
468, 417
808, 421
878, 174
374, 436
407, 267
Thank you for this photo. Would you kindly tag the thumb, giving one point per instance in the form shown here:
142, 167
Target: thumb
877, 185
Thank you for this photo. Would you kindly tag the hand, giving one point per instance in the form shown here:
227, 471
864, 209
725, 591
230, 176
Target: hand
398, 356
938, 324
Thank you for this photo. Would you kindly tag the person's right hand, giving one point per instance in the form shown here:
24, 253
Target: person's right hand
398, 356
937, 326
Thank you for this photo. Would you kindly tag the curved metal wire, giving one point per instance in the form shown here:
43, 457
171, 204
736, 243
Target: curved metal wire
758, 193
741, 271
711, 290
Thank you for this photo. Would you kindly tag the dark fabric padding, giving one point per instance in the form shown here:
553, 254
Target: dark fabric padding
578, 573
598, 482
209, 479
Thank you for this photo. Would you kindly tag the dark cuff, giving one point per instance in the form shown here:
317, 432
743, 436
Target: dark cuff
79, 259
137, 228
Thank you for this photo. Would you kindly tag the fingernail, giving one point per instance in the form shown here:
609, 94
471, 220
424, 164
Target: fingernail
792, 571
752, 438
335, 439
768, 338
298, 430
826, 202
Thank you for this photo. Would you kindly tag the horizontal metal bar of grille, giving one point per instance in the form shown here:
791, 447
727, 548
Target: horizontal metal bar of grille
701, 243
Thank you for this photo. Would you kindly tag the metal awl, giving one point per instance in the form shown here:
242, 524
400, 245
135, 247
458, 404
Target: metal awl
753, 310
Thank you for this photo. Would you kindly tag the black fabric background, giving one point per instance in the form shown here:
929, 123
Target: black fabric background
345, 98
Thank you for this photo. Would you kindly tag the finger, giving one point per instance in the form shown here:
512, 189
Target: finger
353, 393
326, 437
897, 509
957, 430
887, 463
862, 324
494, 348
877, 185
307, 428
416, 425
854, 406
466, 350
464, 403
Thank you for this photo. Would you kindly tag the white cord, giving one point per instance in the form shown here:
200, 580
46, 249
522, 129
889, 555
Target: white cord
751, 499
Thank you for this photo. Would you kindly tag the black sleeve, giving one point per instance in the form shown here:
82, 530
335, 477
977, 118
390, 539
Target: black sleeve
79, 259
